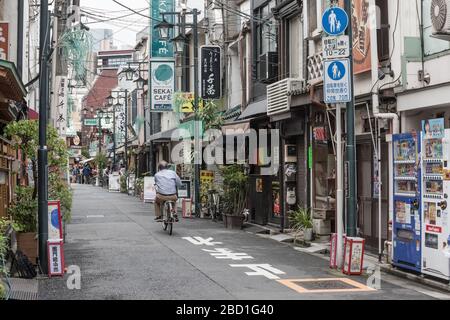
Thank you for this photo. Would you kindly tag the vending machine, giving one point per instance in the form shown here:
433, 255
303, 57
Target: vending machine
407, 195
435, 201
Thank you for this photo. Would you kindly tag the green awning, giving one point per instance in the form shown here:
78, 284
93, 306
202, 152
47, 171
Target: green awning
11, 84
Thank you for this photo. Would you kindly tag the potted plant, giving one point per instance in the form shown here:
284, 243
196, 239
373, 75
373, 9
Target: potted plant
301, 221
4, 224
234, 195
139, 187
24, 221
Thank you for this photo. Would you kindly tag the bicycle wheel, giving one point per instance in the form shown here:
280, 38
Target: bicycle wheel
170, 224
165, 224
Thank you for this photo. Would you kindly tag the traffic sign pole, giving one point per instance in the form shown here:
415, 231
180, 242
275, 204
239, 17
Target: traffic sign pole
351, 139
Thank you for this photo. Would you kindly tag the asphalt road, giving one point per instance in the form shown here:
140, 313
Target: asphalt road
123, 254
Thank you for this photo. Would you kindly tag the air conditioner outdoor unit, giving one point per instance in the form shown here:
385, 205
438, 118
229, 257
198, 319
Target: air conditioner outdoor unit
440, 16
268, 67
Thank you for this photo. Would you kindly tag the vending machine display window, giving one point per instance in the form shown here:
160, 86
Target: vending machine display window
433, 148
431, 241
434, 187
430, 213
403, 212
405, 150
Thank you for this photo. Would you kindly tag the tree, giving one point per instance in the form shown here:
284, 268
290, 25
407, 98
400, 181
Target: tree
25, 136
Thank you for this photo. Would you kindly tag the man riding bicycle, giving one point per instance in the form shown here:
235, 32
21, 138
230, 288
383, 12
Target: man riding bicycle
166, 182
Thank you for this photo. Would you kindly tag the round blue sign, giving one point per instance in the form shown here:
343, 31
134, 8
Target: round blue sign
336, 71
335, 21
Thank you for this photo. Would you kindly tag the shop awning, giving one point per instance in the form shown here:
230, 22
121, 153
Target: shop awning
254, 110
33, 115
11, 85
242, 126
163, 136
232, 113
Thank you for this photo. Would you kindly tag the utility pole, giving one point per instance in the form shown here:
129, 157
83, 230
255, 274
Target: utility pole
351, 140
197, 144
126, 137
44, 41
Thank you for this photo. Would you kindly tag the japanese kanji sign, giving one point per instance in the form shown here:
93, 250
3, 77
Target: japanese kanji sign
337, 81
210, 72
4, 40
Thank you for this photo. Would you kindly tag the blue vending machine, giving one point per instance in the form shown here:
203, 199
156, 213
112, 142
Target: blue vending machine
406, 238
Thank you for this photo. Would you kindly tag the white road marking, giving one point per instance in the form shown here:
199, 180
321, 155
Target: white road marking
265, 270
224, 253
199, 241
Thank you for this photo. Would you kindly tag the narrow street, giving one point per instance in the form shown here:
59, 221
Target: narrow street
124, 254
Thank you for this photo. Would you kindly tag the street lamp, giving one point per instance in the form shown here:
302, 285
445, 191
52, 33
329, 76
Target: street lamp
179, 42
140, 82
164, 28
108, 119
110, 100
129, 73
85, 111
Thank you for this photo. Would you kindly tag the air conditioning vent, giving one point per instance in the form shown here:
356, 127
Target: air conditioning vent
440, 15
278, 100
268, 67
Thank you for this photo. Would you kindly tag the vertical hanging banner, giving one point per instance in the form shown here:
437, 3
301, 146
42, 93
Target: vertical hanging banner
162, 85
210, 72
4, 40
362, 58
161, 48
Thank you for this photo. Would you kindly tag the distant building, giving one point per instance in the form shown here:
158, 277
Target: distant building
113, 59
102, 40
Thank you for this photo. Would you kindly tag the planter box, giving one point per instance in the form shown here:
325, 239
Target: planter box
233, 222
27, 243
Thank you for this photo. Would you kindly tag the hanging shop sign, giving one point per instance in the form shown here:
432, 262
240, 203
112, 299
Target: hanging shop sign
362, 57
163, 85
210, 72
184, 102
161, 48
55, 258
4, 40
55, 231
320, 134
91, 122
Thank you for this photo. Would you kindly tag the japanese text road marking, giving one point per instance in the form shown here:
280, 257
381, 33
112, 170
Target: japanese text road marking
224, 253
265, 270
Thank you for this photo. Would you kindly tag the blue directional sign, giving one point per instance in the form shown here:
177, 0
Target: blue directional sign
335, 21
337, 81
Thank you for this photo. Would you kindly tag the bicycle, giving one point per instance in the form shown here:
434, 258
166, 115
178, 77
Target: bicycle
169, 216
213, 204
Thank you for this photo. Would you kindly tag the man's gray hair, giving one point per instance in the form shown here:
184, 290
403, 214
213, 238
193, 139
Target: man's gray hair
163, 165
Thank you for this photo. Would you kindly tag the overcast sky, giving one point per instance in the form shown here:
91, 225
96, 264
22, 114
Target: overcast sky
124, 29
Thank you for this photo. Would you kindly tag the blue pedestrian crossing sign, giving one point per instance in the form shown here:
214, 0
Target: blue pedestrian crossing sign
337, 81
335, 21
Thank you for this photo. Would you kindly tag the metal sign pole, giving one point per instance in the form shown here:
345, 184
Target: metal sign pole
350, 141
